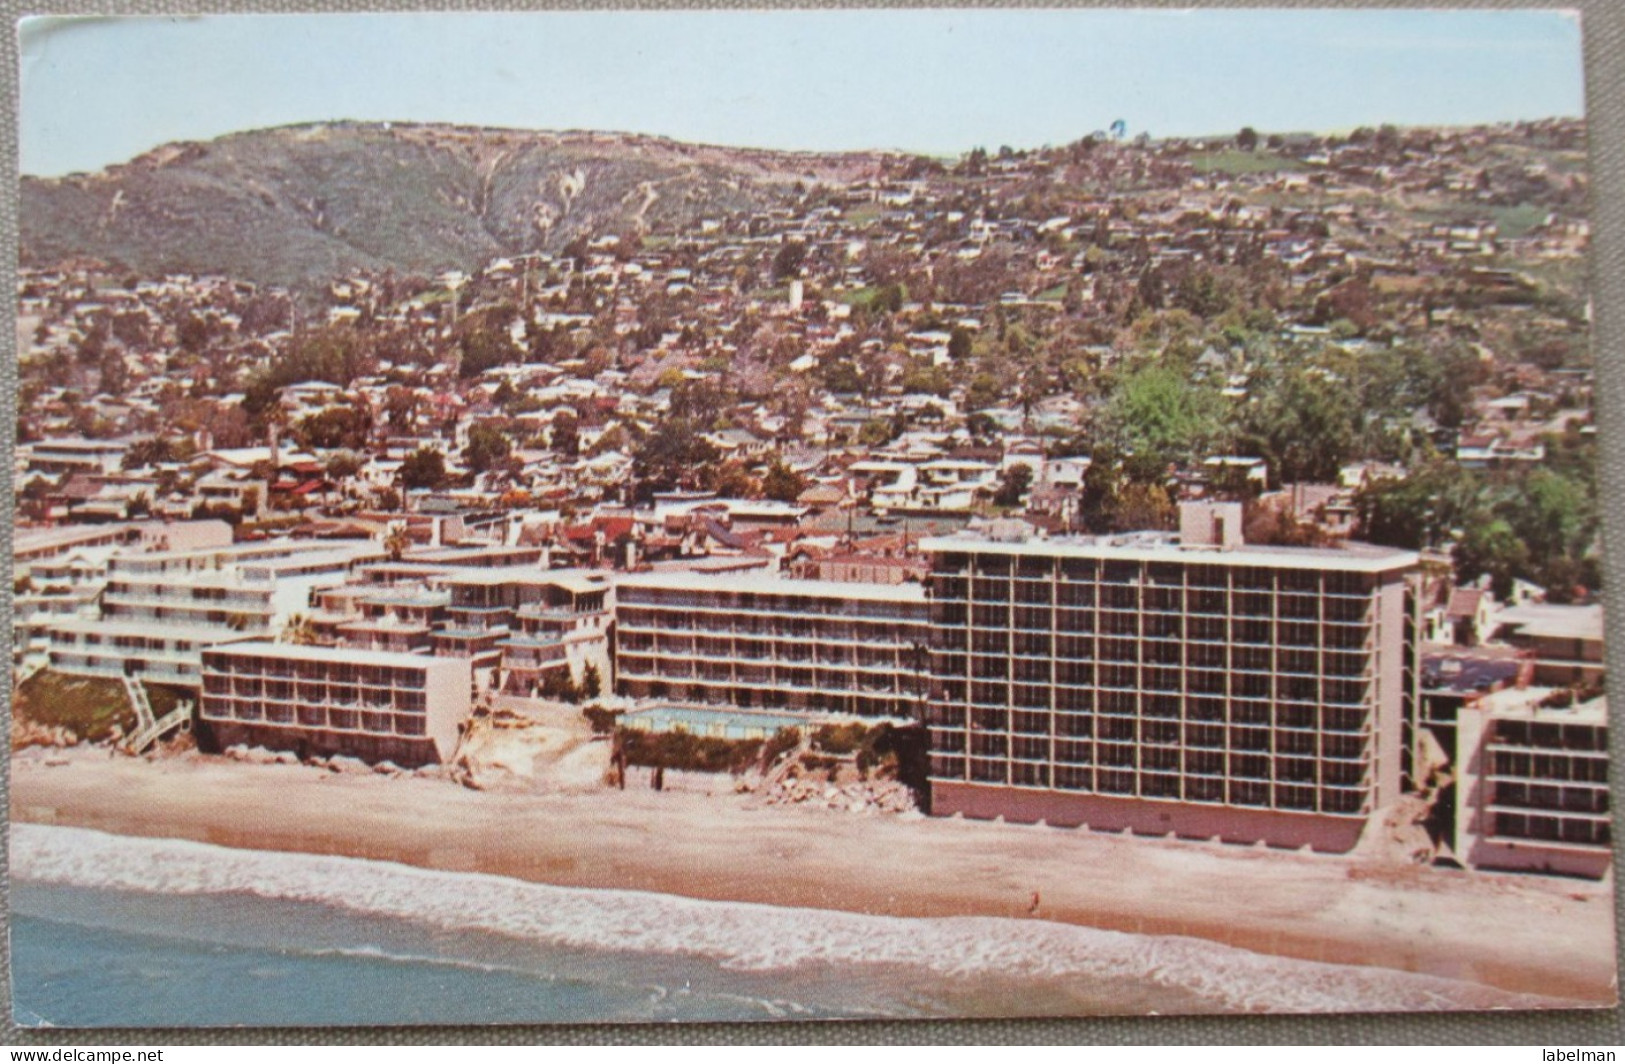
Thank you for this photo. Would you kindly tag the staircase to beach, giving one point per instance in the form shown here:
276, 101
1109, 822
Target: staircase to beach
148, 728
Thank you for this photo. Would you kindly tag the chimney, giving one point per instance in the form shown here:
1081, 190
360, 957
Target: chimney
1212, 525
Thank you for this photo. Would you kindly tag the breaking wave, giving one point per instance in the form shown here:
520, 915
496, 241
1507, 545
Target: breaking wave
737, 935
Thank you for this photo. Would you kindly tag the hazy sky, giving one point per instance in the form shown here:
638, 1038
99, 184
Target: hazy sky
98, 91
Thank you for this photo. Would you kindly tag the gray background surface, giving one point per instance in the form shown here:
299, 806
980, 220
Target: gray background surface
1604, 36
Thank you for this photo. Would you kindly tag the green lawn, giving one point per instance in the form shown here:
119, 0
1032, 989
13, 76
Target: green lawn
1242, 162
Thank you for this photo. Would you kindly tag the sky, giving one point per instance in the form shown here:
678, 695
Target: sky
97, 91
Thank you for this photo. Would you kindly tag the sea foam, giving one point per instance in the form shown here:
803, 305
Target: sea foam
736, 935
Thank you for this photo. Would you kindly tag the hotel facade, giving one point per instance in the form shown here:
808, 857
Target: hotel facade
374, 705
762, 642
1531, 771
1186, 685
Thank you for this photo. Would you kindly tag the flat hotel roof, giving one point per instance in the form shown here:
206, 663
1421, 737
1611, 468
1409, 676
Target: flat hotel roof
769, 584
1355, 558
300, 652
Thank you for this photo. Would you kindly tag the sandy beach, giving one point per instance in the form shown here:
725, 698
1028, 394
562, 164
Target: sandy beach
1524, 934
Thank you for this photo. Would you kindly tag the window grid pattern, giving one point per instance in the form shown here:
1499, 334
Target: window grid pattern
1204, 683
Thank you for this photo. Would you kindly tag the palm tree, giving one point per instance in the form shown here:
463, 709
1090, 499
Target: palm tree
300, 631
397, 541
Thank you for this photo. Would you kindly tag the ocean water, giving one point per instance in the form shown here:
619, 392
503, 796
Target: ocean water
109, 930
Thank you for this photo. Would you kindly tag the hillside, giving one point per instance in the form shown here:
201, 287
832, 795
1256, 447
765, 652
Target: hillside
296, 205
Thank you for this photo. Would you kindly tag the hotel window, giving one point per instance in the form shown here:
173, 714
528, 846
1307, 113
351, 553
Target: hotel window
1198, 789
985, 771
1029, 747
1080, 596
1031, 694
1074, 752
1204, 762
990, 720
1249, 793
989, 694
990, 667
1294, 797
1343, 773
1030, 723
1077, 725
1026, 774
1159, 758
1161, 679
1115, 752
1119, 596
1073, 779
1030, 645
1114, 781
1249, 739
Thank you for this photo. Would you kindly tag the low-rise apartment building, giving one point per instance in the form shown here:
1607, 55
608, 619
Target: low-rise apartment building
759, 641
374, 705
1532, 783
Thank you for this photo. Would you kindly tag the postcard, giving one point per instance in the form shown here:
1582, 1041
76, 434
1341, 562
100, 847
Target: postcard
650, 515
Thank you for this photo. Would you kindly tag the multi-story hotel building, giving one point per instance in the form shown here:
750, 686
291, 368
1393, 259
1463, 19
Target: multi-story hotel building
759, 641
373, 705
1189, 685
158, 610
1532, 783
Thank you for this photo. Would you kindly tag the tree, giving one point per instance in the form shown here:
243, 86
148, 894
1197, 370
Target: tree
565, 435
343, 465
782, 483
115, 375
592, 684
1158, 412
149, 452
1013, 485
1304, 423
1247, 139
337, 426
423, 468
674, 455
487, 446
788, 260
396, 542
1491, 548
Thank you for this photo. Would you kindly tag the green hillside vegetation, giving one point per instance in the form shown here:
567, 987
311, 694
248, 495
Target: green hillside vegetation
1242, 162
297, 205
87, 705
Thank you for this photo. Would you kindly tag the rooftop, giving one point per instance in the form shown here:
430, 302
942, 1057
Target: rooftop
771, 584
1556, 622
346, 655
1165, 547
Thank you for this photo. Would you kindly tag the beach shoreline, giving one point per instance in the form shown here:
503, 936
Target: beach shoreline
1521, 934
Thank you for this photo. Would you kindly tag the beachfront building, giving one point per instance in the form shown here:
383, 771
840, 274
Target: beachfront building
1532, 783
373, 705
1187, 684
757, 641
557, 623
1566, 641
158, 610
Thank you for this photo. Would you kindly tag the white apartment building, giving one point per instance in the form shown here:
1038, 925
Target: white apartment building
760, 641
1532, 783
158, 610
